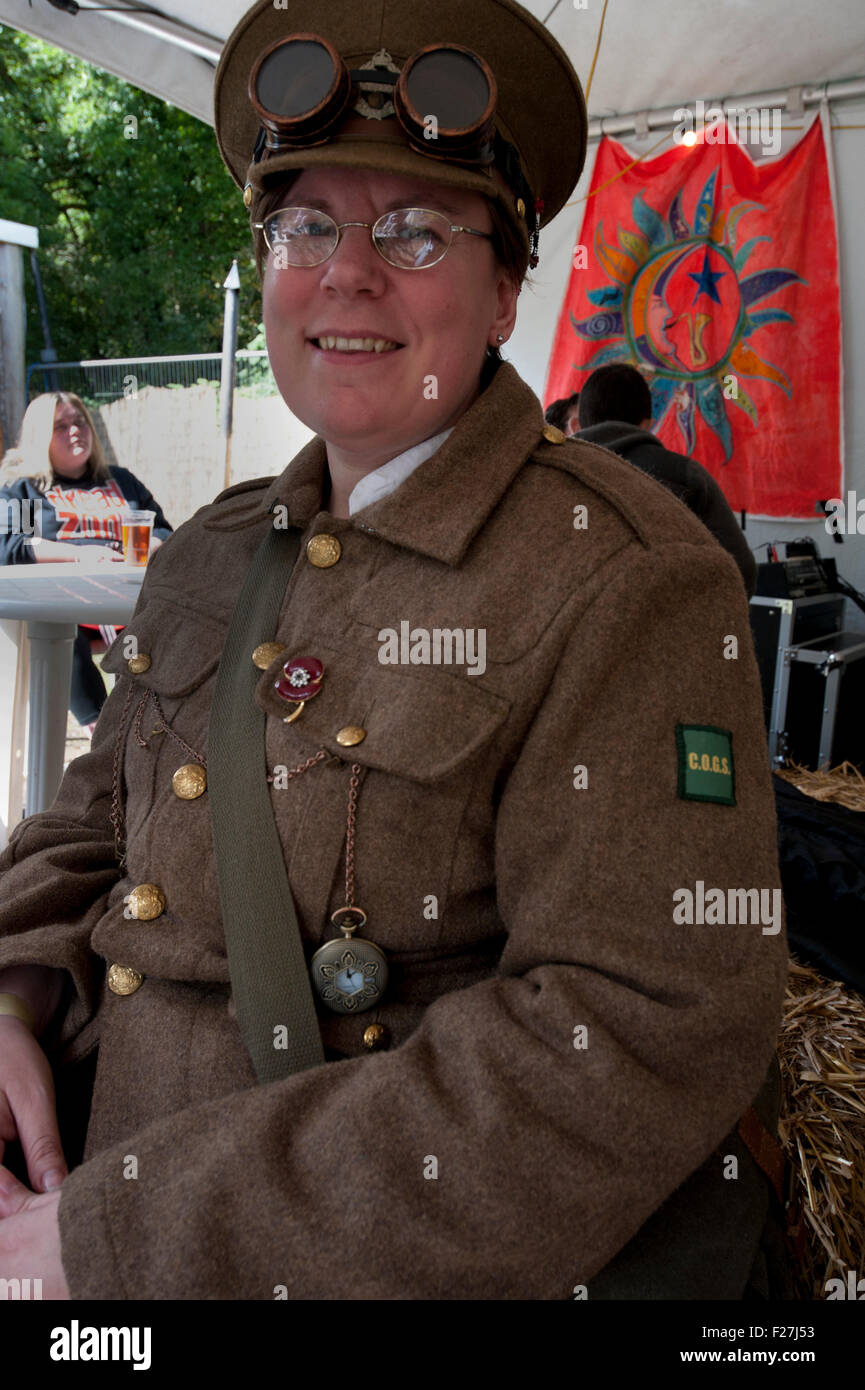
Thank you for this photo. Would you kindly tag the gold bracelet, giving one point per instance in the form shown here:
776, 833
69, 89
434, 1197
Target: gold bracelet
18, 1008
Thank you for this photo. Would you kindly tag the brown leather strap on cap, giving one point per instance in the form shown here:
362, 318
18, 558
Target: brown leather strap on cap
764, 1149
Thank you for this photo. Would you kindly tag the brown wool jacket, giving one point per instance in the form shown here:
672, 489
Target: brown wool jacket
515, 907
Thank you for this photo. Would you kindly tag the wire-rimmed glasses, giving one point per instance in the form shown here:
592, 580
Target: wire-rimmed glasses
408, 238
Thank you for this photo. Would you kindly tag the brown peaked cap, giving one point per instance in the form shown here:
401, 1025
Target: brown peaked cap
540, 110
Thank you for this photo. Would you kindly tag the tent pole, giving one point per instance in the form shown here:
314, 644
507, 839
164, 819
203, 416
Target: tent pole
642, 121
181, 35
229, 369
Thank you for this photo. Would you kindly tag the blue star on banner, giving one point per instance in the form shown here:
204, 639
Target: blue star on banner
706, 281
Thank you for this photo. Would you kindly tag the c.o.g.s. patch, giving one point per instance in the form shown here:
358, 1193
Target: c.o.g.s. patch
706, 763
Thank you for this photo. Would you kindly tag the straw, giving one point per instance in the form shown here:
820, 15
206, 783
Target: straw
843, 784
821, 1051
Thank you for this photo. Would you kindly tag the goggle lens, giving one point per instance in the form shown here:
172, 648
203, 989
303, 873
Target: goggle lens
450, 85
295, 78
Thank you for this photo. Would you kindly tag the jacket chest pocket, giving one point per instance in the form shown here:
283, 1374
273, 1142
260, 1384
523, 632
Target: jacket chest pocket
424, 746
171, 654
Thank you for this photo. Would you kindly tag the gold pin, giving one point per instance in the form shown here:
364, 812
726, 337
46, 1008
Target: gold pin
350, 735
553, 435
266, 653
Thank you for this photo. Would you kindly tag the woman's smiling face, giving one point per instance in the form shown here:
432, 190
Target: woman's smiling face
441, 319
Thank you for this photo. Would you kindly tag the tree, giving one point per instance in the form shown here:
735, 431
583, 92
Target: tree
138, 218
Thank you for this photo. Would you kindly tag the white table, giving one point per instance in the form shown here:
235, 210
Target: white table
53, 599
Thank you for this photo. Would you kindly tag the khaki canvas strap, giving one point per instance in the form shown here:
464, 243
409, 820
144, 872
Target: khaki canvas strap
269, 975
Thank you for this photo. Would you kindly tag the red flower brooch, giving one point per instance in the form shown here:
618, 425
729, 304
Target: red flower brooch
299, 682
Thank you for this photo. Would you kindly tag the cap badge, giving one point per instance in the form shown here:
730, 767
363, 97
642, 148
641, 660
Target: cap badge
374, 101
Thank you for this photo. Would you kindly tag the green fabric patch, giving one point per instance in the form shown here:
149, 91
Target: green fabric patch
706, 763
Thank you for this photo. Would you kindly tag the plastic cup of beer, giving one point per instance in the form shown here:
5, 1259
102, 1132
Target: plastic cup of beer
137, 530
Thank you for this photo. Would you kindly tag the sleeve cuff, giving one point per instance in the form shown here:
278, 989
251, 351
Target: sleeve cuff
86, 1250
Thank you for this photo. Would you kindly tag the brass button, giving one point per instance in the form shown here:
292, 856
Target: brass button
553, 435
323, 551
247, 195
266, 653
139, 664
189, 781
122, 979
144, 903
350, 735
375, 1037
521, 208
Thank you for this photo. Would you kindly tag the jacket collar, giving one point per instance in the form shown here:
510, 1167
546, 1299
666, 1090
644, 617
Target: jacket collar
441, 506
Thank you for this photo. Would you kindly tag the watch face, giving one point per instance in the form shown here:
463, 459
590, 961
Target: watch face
349, 976
350, 980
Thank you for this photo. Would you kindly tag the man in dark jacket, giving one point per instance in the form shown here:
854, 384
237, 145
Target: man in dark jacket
564, 414
616, 411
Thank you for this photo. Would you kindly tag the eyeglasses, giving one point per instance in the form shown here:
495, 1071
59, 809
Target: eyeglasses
408, 238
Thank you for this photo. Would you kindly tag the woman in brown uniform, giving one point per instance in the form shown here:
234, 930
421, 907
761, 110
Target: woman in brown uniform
485, 725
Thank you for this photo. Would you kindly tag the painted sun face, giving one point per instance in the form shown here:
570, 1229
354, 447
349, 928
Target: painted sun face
680, 310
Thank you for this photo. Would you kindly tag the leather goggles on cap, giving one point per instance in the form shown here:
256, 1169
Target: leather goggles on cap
444, 97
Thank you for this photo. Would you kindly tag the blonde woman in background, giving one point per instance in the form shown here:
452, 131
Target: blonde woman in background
59, 472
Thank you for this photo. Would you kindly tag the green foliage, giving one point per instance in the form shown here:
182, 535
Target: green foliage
258, 343
256, 378
136, 235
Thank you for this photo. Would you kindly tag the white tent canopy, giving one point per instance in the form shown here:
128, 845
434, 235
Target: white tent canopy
654, 53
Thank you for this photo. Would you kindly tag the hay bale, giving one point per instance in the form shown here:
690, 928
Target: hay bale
843, 784
821, 1051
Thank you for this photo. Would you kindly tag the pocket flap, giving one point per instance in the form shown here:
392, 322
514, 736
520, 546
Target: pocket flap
418, 726
177, 667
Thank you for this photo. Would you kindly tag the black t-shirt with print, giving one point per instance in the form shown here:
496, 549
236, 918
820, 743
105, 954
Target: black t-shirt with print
80, 511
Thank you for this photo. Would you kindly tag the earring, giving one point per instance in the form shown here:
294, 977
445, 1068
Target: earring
500, 337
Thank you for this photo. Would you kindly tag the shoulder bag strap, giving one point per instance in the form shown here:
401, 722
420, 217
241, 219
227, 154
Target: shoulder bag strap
269, 974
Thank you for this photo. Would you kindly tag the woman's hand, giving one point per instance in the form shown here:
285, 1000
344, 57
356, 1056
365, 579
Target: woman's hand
30, 1237
54, 552
28, 1109
29, 1228
102, 554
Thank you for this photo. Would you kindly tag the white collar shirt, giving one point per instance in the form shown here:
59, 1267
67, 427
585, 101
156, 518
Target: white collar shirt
386, 479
